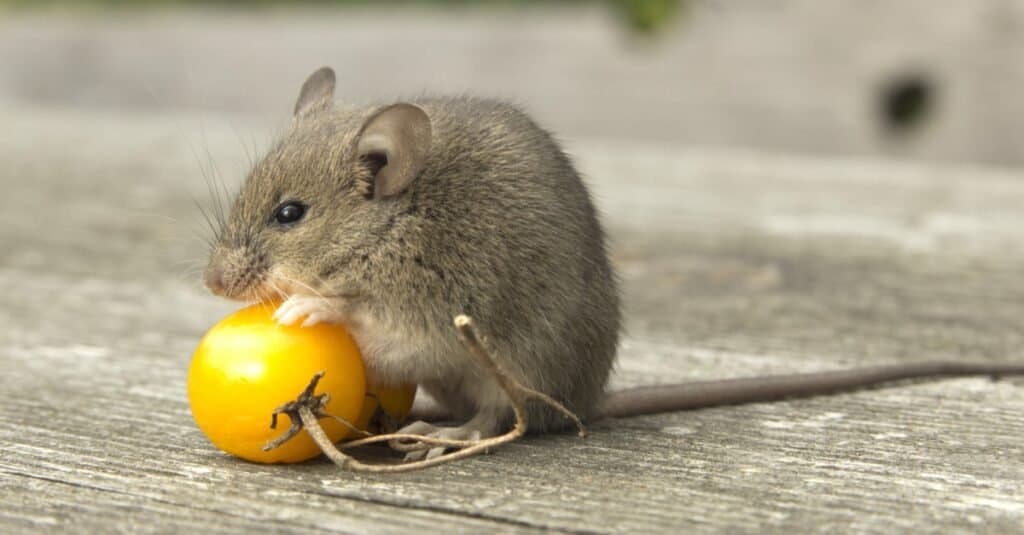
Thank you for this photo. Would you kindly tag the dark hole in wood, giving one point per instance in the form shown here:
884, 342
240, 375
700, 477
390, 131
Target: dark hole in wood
905, 102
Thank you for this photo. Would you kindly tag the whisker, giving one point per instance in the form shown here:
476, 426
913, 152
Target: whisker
191, 275
188, 262
265, 296
312, 290
277, 289
222, 194
210, 218
192, 270
211, 187
250, 155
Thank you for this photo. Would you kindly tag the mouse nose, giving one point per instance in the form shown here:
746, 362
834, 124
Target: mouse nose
213, 277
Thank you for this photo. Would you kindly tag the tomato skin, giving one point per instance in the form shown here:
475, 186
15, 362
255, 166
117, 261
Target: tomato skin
394, 401
247, 365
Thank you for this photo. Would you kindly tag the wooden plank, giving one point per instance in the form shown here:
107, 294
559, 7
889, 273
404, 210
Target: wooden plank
734, 263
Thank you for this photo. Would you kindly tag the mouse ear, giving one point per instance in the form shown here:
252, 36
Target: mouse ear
317, 93
394, 143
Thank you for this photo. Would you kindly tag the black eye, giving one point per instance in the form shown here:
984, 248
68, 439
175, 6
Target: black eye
289, 212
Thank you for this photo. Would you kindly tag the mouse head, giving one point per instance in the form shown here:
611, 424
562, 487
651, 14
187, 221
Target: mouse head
320, 199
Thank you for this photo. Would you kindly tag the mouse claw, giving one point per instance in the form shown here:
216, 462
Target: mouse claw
314, 309
286, 313
319, 317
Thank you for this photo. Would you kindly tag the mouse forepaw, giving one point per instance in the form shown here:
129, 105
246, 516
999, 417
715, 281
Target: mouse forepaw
313, 308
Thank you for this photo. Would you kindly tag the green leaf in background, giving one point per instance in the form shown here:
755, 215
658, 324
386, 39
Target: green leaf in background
647, 16
641, 16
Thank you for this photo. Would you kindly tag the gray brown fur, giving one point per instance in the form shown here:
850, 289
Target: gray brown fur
497, 225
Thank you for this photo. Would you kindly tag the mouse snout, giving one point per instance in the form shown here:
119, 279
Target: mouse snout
236, 274
214, 279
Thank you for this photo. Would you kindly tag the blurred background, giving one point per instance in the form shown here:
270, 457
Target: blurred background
914, 79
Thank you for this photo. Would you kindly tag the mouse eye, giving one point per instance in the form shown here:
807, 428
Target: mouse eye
289, 212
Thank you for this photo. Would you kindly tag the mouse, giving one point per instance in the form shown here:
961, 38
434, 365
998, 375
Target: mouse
391, 219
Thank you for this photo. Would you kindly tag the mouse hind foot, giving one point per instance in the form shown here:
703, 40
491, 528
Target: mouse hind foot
462, 433
485, 425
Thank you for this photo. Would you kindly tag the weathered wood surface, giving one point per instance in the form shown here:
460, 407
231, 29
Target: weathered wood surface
734, 263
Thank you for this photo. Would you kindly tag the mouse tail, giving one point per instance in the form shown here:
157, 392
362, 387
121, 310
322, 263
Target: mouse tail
703, 394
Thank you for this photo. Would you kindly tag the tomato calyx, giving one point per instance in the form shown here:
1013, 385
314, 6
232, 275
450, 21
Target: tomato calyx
315, 403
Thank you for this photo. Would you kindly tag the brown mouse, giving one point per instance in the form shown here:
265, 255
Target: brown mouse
393, 219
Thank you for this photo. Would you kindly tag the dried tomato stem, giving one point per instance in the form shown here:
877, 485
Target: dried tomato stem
306, 410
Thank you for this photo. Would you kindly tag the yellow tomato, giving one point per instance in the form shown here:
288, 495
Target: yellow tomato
394, 401
247, 365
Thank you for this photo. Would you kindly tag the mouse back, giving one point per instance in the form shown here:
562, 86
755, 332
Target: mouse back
423, 210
